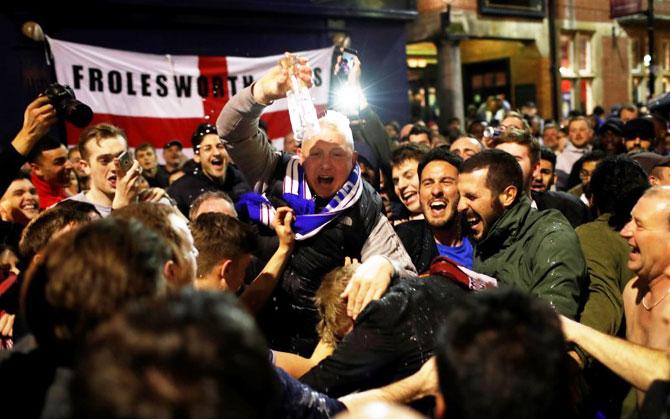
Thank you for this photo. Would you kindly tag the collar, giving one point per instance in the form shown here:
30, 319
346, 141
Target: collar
49, 193
507, 227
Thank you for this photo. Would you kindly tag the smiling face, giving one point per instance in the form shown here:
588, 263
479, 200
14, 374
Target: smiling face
20, 203
478, 203
53, 166
101, 155
213, 157
406, 184
438, 193
328, 161
648, 233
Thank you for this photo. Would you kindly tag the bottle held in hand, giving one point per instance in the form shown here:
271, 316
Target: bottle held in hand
302, 112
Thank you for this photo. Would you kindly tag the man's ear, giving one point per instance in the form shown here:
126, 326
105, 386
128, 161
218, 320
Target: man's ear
508, 196
171, 273
440, 406
225, 271
301, 157
196, 157
654, 181
37, 169
354, 157
85, 167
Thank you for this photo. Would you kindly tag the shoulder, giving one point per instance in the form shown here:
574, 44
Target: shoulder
410, 228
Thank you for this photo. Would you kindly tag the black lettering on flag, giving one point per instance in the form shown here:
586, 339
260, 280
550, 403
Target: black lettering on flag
317, 76
203, 86
129, 84
95, 80
77, 76
233, 85
114, 81
183, 85
218, 88
145, 82
162, 90
247, 80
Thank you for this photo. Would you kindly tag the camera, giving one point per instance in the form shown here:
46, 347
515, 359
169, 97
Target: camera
493, 132
67, 106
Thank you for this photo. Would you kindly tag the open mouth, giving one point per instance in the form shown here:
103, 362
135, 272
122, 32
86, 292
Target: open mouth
473, 220
29, 206
325, 180
438, 207
408, 197
112, 181
217, 162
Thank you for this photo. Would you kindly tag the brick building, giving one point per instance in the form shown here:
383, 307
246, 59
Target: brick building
469, 49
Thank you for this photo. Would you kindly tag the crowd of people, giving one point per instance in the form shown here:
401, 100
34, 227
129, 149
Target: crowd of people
518, 268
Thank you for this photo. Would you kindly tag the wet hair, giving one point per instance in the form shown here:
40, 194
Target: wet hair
98, 133
218, 237
41, 229
525, 376
439, 154
206, 196
196, 355
46, 143
332, 308
616, 185
522, 137
547, 154
408, 151
503, 170
87, 275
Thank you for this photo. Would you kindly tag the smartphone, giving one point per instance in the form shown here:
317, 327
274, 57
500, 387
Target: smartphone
344, 62
126, 161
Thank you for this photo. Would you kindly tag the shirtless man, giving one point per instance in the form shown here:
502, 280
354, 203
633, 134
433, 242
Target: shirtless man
646, 305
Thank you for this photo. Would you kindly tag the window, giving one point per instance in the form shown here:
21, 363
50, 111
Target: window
665, 55
576, 71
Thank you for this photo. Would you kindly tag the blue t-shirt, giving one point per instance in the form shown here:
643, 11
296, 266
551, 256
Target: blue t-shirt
460, 254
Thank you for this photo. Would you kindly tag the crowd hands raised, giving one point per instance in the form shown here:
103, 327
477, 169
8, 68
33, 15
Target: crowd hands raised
491, 273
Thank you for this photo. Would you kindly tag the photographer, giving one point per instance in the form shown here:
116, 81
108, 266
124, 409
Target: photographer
39, 116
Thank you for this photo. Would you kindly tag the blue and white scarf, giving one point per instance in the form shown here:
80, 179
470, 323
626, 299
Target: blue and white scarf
298, 196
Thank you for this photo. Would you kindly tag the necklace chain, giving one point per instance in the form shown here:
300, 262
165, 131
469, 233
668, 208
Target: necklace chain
657, 302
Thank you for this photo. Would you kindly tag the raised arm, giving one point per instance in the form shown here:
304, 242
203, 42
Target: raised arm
260, 289
638, 365
238, 124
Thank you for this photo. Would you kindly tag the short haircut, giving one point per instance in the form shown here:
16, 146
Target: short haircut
551, 125
218, 237
206, 196
519, 116
45, 143
420, 129
87, 275
579, 118
339, 123
503, 170
616, 185
196, 355
441, 154
628, 107
157, 218
522, 137
200, 131
501, 354
98, 133
408, 151
41, 229
331, 306
595, 155
145, 146
547, 154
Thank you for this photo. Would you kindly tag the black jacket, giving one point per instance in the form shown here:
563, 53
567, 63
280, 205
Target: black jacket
187, 188
570, 206
289, 319
417, 237
391, 338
